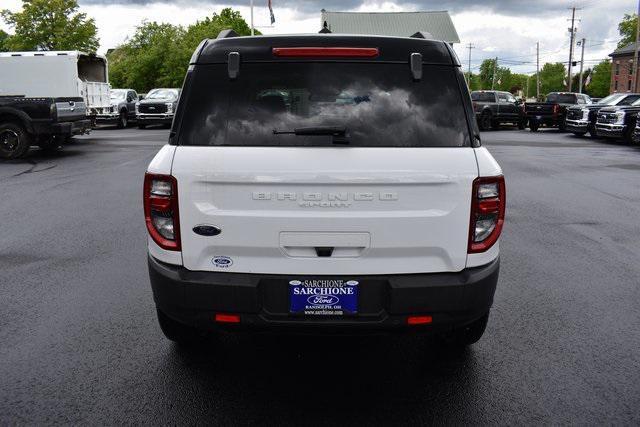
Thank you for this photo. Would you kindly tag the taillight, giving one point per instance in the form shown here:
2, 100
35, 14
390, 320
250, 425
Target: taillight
556, 108
488, 202
161, 210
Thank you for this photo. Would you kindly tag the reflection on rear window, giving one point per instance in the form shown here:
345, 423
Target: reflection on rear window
378, 105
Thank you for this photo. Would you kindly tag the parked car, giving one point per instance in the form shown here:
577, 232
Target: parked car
45, 122
635, 136
158, 107
618, 122
312, 185
492, 108
582, 118
58, 75
552, 112
122, 110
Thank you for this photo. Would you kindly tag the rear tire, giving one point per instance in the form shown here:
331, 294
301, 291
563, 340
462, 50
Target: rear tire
141, 126
179, 332
467, 335
495, 125
522, 124
485, 121
592, 133
562, 126
533, 126
14, 141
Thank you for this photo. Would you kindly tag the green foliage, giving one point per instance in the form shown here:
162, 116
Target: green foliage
627, 29
4, 38
158, 54
600, 80
51, 25
552, 78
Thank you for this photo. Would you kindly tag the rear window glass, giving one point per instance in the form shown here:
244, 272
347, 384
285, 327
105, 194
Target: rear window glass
378, 105
561, 98
483, 97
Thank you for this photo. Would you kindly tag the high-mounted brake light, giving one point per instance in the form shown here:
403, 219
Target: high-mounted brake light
324, 52
488, 201
161, 210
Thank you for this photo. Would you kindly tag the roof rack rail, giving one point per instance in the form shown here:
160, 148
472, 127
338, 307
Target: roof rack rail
225, 34
422, 35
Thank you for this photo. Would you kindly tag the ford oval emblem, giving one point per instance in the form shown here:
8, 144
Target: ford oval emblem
323, 299
222, 261
295, 283
206, 230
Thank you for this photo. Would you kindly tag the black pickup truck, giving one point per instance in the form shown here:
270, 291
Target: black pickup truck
492, 108
45, 122
553, 111
618, 122
582, 118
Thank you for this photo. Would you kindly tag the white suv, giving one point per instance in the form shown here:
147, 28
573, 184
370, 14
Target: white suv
324, 182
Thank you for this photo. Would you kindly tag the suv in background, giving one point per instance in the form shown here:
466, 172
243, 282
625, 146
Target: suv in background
324, 183
157, 107
553, 111
582, 118
493, 108
122, 110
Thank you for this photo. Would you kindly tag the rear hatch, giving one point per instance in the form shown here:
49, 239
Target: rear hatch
539, 109
318, 167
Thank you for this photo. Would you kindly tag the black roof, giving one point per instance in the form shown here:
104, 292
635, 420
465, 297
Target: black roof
624, 50
258, 48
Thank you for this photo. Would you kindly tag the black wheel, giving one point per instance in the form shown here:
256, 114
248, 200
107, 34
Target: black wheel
522, 124
485, 121
495, 124
562, 126
627, 137
467, 335
178, 332
141, 126
592, 132
533, 126
14, 141
123, 120
580, 134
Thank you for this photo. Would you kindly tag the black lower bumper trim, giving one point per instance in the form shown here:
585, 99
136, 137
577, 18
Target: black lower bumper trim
385, 301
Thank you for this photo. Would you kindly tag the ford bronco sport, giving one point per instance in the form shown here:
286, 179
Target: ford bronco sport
324, 183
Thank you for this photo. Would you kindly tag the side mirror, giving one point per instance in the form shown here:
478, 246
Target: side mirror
519, 102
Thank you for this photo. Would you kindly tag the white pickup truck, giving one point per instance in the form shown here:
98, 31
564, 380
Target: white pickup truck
57, 74
324, 183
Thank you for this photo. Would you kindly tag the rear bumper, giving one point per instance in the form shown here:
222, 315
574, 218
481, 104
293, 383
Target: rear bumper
64, 129
385, 302
610, 131
108, 118
550, 121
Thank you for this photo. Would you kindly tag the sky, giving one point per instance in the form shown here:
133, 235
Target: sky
507, 29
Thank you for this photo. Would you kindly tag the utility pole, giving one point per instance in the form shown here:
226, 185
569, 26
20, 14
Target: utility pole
572, 31
526, 95
252, 27
635, 53
495, 68
582, 42
538, 70
471, 46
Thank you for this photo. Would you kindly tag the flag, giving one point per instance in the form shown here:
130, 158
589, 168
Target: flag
273, 18
588, 80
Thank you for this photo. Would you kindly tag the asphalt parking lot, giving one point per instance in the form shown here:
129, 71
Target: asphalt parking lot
80, 341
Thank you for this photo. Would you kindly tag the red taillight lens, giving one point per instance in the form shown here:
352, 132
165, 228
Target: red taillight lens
556, 108
227, 318
419, 320
488, 202
161, 210
323, 52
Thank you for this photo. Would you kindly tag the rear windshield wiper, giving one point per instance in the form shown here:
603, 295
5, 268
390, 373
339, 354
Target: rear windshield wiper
338, 132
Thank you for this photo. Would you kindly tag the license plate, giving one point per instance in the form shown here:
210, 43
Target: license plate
323, 297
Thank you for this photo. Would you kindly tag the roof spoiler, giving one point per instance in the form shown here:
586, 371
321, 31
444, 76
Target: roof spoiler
225, 34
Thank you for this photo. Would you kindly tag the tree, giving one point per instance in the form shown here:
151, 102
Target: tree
51, 25
600, 82
4, 38
158, 54
552, 78
627, 29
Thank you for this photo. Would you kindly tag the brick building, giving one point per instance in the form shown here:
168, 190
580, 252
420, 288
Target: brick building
622, 69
